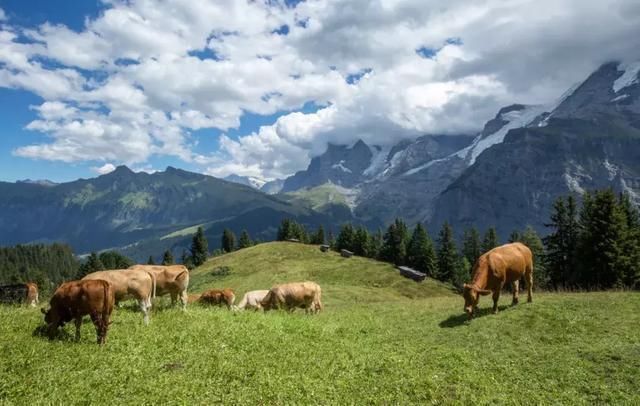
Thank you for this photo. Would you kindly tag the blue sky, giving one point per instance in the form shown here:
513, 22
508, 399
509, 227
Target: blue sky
260, 87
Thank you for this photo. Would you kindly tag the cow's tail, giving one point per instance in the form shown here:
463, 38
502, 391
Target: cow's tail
152, 294
319, 306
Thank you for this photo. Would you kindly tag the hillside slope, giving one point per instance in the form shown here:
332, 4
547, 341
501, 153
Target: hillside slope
343, 280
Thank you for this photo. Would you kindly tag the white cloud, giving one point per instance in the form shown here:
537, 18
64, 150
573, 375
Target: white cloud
104, 169
137, 79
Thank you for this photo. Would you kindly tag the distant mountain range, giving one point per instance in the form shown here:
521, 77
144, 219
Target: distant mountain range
505, 176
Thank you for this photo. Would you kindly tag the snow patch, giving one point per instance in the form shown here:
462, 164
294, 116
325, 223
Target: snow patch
611, 169
629, 77
340, 165
621, 97
573, 183
378, 161
425, 166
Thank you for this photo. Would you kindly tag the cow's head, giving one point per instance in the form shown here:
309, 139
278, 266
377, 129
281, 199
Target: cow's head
471, 296
268, 302
53, 321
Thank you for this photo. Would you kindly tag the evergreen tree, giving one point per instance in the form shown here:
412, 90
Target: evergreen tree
361, 242
471, 248
561, 244
186, 260
150, 261
114, 260
167, 258
228, 243
284, 230
420, 252
318, 237
515, 236
490, 240
628, 261
245, 240
93, 264
376, 244
199, 248
331, 240
395, 241
448, 260
462, 273
345, 238
531, 239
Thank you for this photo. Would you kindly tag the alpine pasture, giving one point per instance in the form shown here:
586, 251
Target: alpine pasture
382, 339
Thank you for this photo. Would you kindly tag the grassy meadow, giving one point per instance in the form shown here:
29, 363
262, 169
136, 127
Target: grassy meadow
382, 339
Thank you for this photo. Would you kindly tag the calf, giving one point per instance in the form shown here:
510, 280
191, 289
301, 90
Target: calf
251, 300
218, 297
127, 283
170, 279
505, 264
75, 299
289, 296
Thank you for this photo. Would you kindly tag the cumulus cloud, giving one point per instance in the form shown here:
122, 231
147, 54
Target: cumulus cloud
104, 169
138, 79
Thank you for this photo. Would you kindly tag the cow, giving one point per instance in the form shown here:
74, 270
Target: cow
251, 300
170, 279
130, 283
289, 296
20, 293
75, 299
505, 264
218, 297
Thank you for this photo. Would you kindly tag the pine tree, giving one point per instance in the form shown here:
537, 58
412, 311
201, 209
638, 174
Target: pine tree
318, 237
167, 258
150, 261
420, 252
531, 239
376, 244
284, 230
245, 240
361, 242
228, 242
186, 260
331, 240
462, 273
471, 248
490, 240
515, 236
199, 248
395, 241
561, 243
345, 238
448, 260
628, 261
93, 264
114, 260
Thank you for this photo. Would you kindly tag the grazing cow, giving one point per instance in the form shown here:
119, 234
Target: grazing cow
75, 299
505, 264
289, 296
127, 283
251, 300
170, 279
20, 292
218, 297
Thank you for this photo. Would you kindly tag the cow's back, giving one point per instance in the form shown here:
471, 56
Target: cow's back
509, 262
169, 278
125, 282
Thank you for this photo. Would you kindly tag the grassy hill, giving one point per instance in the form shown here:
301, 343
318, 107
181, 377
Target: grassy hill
381, 340
344, 281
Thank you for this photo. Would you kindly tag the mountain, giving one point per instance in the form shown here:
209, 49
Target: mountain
252, 181
146, 212
590, 140
506, 175
42, 182
273, 186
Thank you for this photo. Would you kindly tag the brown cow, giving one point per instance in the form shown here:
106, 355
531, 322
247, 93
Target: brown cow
140, 285
20, 292
170, 279
289, 296
218, 297
75, 299
505, 264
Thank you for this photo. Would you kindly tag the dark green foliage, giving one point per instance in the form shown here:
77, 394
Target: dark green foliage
362, 242
530, 238
490, 240
462, 273
448, 261
228, 242
199, 248
471, 248
345, 239
167, 258
46, 265
318, 237
291, 230
420, 252
150, 261
395, 241
114, 260
186, 260
515, 236
376, 244
561, 244
331, 240
92, 264
245, 240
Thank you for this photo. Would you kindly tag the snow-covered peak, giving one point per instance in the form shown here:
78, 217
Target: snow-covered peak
628, 77
254, 182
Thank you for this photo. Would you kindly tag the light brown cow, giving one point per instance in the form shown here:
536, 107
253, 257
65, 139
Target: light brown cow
32, 294
505, 264
19, 293
218, 297
290, 296
75, 299
170, 279
252, 299
130, 283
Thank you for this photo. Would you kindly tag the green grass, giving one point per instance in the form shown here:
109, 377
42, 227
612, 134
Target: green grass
317, 197
579, 348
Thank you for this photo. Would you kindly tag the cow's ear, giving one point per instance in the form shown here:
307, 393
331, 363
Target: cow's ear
484, 292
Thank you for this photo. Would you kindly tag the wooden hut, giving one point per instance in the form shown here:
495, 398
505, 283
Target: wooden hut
412, 273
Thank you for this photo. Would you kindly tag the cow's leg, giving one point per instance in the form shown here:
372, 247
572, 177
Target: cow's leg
78, 322
174, 299
184, 298
496, 296
145, 310
98, 322
516, 287
529, 279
